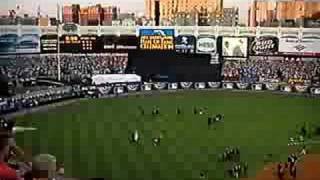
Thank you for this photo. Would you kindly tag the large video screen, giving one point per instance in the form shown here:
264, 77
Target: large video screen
70, 44
169, 66
156, 39
234, 46
49, 43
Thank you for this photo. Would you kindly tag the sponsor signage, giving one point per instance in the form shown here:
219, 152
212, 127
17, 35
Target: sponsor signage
235, 46
293, 46
156, 39
28, 43
185, 44
70, 44
266, 45
206, 44
108, 43
127, 43
49, 43
70, 28
24, 44
8, 43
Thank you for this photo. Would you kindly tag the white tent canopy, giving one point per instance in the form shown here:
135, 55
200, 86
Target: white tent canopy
115, 78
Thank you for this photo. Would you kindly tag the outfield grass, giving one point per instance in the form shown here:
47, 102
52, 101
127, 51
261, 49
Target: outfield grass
91, 137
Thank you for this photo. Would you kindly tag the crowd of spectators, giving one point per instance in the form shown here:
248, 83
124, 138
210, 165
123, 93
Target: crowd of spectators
288, 70
74, 67
37, 98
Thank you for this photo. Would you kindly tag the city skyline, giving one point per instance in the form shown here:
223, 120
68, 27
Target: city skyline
48, 7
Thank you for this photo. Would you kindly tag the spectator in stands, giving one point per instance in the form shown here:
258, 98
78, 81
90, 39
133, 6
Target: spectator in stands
292, 71
6, 173
24, 70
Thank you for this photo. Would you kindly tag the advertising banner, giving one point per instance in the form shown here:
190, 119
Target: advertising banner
206, 44
28, 43
49, 44
293, 46
272, 86
242, 85
24, 44
265, 45
315, 91
70, 28
126, 43
234, 46
173, 86
156, 39
185, 44
186, 85
108, 43
133, 87
160, 85
8, 43
214, 84
200, 85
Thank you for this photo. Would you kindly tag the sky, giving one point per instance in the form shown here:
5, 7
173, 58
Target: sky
49, 6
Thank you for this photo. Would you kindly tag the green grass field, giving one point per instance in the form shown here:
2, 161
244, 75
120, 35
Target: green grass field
91, 137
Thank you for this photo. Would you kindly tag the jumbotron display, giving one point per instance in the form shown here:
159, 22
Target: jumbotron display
157, 39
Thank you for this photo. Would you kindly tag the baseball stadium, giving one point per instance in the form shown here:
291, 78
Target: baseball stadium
161, 103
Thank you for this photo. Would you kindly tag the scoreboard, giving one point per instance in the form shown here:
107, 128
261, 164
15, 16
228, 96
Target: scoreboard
70, 44
89, 44
49, 43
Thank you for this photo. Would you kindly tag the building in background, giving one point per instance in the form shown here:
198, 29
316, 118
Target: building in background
7, 20
288, 13
43, 21
84, 12
115, 12
127, 19
107, 15
67, 14
94, 15
76, 13
53, 21
228, 17
172, 9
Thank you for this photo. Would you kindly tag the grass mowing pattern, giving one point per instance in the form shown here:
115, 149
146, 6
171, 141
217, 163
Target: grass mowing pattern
91, 137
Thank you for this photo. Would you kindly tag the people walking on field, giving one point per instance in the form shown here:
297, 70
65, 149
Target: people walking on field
140, 108
178, 111
135, 137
